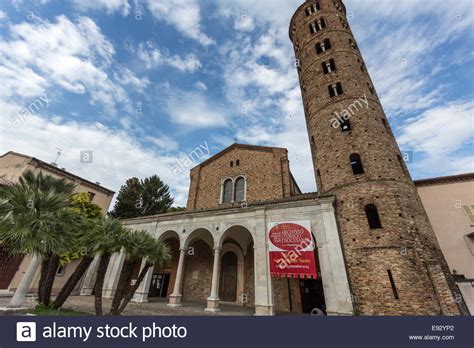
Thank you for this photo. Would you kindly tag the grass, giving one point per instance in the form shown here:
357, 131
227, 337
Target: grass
57, 312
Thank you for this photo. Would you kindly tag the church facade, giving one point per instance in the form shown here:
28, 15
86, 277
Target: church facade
374, 250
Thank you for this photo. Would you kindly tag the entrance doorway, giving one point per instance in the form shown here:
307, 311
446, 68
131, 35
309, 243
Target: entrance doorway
159, 285
228, 286
312, 295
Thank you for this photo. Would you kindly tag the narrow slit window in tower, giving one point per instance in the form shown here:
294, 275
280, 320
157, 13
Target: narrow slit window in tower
353, 44
392, 283
356, 164
372, 215
345, 125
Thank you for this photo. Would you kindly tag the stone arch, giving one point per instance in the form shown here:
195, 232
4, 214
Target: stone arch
232, 230
240, 240
198, 263
202, 233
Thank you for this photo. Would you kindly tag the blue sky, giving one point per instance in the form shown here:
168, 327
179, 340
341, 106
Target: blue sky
141, 84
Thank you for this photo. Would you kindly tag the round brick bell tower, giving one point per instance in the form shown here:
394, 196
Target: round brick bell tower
394, 263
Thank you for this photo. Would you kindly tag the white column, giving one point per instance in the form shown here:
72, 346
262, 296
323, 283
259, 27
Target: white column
141, 295
213, 299
25, 282
113, 274
175, 297
89, 278
263, 282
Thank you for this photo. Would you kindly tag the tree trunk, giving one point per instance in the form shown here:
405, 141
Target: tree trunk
44, 271
123, 283
50, 277
99, 282
132, 289
25, 282
72, 281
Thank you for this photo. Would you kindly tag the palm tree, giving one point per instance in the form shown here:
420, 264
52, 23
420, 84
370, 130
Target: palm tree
87, 240
35, 220
156, 252
136, 245
109, 236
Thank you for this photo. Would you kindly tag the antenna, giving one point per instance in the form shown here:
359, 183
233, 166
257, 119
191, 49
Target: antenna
58, 152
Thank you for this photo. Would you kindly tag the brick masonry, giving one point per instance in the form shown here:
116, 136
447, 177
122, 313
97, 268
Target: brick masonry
406, 244
266, 170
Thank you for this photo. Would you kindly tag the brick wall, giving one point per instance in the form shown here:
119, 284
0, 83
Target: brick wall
406, 243
265, 168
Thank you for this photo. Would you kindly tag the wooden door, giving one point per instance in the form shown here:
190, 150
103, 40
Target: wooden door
228, 288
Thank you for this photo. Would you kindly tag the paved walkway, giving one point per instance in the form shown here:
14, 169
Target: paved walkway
154, 307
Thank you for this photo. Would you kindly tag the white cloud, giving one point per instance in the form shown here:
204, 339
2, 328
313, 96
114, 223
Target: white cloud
440, 131
110, 6
184, 15
76, 56
152, 56
3, 15
192, 110
117, 156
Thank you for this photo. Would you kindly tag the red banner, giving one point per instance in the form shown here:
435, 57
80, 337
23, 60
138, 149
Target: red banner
291, 250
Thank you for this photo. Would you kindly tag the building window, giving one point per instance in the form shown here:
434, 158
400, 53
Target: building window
317, 25
227, 191
239, 190
237, 163
345, 125
469, 211
60, 270
356, 164
392, 283
313, 9
231, 163
400, 161
91, 196
329, 66
344, 23
352, 44
323, 46
372, 215
335, 90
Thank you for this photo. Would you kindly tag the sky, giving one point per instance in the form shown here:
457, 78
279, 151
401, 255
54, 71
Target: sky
124, 88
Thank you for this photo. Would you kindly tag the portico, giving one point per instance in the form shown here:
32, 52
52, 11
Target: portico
221, 255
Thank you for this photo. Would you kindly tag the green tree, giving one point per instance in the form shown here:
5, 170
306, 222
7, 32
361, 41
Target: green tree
156, 197
35, 219
128, 204
141, 198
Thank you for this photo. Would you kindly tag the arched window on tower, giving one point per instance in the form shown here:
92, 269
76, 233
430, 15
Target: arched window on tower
323, 46
227, 191
239, 190
356, 164
335, 90
329, 66
372, 215
317, 25
313, 9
